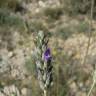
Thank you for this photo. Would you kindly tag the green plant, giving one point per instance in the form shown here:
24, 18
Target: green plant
10, 4
53, 12
82, 27
37, 25
43, 62
3, 3
10, 20
30, 65
74, 7
64, 32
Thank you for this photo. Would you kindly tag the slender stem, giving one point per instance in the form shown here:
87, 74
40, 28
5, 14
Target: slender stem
91, 88
45, 92
93, 84
90, 32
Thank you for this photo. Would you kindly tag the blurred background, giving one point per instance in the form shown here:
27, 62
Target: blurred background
68, 21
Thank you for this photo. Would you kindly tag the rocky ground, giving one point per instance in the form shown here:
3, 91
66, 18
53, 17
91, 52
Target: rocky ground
68, 43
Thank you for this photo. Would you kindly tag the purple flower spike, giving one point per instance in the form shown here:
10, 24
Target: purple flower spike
47, 55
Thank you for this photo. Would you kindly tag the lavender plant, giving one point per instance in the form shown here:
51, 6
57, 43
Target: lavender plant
43, 62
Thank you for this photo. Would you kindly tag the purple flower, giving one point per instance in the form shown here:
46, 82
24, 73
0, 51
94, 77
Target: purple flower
47, 55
